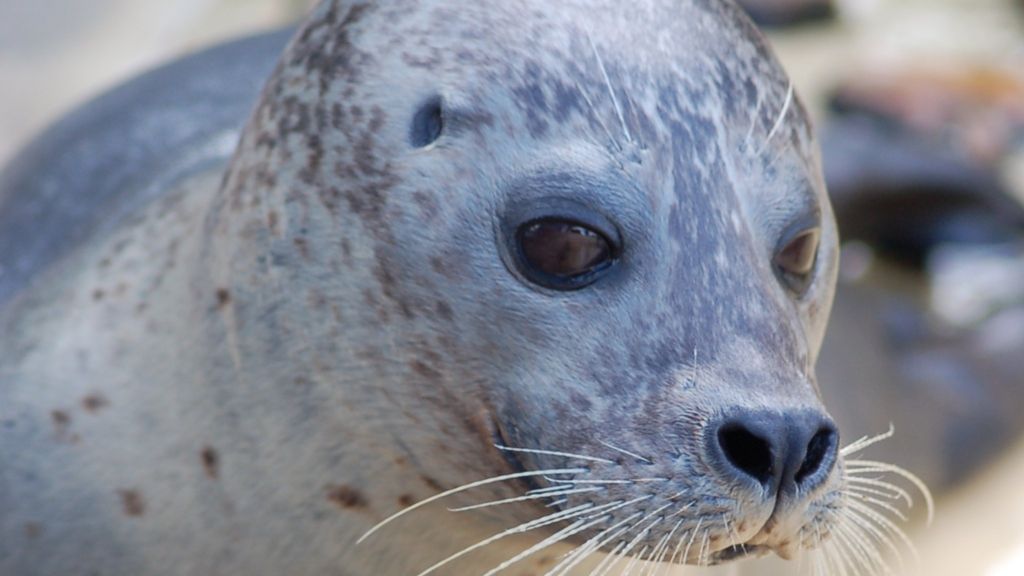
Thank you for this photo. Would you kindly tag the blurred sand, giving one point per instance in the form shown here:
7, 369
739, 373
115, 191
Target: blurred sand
55, 53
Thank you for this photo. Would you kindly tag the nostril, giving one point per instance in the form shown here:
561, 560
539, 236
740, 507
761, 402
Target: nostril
747, 452
820, 450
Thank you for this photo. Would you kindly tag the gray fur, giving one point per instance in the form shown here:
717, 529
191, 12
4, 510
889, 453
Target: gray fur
252, 372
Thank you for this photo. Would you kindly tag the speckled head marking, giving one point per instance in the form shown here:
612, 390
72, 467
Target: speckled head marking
371, 226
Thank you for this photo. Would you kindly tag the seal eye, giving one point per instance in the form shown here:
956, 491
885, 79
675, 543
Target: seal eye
562, 254
427, 123
795, 261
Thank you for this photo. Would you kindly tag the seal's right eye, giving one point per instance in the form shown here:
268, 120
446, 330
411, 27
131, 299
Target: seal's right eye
562, 254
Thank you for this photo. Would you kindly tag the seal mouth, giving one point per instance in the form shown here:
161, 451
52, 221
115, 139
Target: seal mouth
515, 464
738, 552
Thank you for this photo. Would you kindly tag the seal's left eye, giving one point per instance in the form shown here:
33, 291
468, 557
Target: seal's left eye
562, 254
795, 260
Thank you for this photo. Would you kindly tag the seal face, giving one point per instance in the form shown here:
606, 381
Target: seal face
581, 249
622, 254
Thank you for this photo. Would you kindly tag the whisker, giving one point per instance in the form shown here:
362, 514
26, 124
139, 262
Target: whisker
554, 453
611, 91
642, 533
590, 104
873, 492
563, 485
576, 528
660, 567
881, 504
522, 528
627, 452
525, 498
581, 553
614, 553
577, 555
866, 441
908, 476
753, 123
678, 548
633, 561
703, 555
882, 522
874, 482
879, 536
782, 117
464, 488
686, 554
575, 481
658, 554
868, 556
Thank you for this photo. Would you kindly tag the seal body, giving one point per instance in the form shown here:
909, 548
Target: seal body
267, 359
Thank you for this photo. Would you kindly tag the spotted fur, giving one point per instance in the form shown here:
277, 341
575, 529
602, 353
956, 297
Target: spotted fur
329, 331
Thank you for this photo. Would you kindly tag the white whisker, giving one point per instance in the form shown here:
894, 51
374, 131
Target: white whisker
611, 91
525, 498
668, 541
597, 541
567, 532
782, 117
865, 441
612, 554
872, 465
574, 481
875, 483
597, 116
866, 554
577, 555
627, 452
522, 528
641, 534
866, 513
463, 488
554, 453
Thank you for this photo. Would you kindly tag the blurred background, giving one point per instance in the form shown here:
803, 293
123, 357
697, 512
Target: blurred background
920, 108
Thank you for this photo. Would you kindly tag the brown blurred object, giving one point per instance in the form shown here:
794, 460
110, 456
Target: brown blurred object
978, 109
782, 13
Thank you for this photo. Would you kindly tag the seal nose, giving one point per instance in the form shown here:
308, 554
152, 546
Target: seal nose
782, 452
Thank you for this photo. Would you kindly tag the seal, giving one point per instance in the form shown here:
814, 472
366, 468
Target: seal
564, 268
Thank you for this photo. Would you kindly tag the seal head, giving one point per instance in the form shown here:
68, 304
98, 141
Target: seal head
594, 234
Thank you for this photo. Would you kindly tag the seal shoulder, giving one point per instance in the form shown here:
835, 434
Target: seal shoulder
122, 149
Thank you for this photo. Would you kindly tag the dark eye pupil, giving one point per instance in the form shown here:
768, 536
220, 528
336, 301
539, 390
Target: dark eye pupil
563, 250
798, 256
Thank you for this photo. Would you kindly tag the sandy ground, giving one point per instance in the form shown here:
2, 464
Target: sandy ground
55, 53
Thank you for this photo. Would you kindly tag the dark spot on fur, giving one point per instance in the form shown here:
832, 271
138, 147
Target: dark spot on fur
405, 500
302, 245
223, 298
345, 497
272, 222
427, 203
98, 294
94, 403
444, 310
61, 421
434, 484
211, 462
33, 530
425, 370
132, 503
